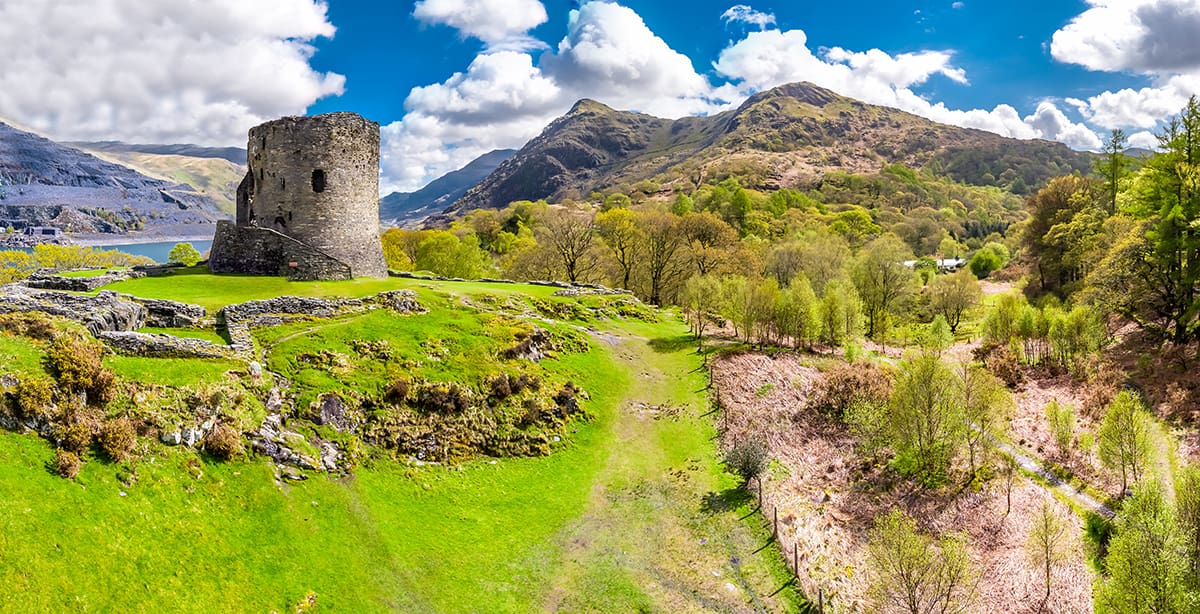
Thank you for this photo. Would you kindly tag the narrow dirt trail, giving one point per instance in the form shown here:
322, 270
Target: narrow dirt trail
1052, 482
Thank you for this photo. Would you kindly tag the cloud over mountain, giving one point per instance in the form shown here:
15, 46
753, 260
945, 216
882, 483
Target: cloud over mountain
160, 72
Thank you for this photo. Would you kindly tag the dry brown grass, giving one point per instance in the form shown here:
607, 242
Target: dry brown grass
827, 496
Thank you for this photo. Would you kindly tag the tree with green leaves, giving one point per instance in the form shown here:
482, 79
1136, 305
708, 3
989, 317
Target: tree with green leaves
1146, 561
661, 251
986, 405
797, 314
185, 254
619, 231
925, 418
989, 259
1187, 513
882, 279
912, 572
1048, 543
1151, 272
1113, 165
1125, 438
840, 314
953, 296
1065, 217
569, 234
1060, 419
701, 295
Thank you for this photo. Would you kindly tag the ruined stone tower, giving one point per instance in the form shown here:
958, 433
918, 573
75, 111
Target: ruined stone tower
309, 206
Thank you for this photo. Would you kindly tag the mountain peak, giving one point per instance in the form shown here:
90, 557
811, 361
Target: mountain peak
586, 105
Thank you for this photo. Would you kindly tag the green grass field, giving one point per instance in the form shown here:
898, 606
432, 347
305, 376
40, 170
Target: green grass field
198, 286
631, 512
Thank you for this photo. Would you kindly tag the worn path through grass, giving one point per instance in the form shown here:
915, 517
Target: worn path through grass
663, 528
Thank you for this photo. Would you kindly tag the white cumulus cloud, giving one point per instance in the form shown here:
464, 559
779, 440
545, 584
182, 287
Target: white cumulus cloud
1155, 38
1151, 36
747, 15
163, 71
506, 98
501, 24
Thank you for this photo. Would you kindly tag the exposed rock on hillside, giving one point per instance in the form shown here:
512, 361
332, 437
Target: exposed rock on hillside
43, 183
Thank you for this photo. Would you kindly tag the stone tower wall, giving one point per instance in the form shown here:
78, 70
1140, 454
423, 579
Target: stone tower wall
316, 179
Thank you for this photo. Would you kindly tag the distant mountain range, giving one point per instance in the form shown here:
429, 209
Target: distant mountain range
408, 208
789, 136
236, 155
43, 183
214, 171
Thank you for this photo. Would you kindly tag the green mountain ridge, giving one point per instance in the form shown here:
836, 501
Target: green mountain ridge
789, 136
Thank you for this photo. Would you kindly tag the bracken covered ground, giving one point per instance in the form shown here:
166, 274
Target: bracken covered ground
827, 496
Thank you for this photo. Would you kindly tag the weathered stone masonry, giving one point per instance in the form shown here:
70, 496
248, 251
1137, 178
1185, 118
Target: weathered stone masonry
309, 206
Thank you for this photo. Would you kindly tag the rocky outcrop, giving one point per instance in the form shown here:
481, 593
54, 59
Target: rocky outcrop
171, 314
163, 346
50, 281
107, 311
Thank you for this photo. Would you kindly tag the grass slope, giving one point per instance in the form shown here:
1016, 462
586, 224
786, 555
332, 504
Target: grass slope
631, 512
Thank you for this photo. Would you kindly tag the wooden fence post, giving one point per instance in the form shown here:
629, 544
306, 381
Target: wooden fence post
821, 600
775, 522
796, 559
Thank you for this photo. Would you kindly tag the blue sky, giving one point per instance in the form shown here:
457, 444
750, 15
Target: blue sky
385, 52
449, 80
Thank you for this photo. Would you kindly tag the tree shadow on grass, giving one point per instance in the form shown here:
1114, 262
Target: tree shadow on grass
671, 345
727, 500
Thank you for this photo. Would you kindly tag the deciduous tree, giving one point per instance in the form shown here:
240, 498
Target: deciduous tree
882, 279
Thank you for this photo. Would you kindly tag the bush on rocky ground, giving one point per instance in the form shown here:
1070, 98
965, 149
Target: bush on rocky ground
223, 442
67, 464
117, 438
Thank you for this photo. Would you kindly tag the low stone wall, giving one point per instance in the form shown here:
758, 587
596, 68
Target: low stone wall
261, 251
583, 288
50, 281
163, 346
171, 314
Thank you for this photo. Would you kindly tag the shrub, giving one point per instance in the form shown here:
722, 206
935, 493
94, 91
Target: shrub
75, 437
117, 438
34, 397
501, 387
847, 385
397, 391
1060, 419
443, 398
223, 442
567, 399
104, 387
67, 464
75, 361
1002, 362
34, 324
748, 458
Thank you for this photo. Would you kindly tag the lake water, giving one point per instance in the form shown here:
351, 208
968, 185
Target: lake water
155, 251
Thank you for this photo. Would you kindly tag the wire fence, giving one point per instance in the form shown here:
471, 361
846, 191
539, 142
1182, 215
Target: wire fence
807, 587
